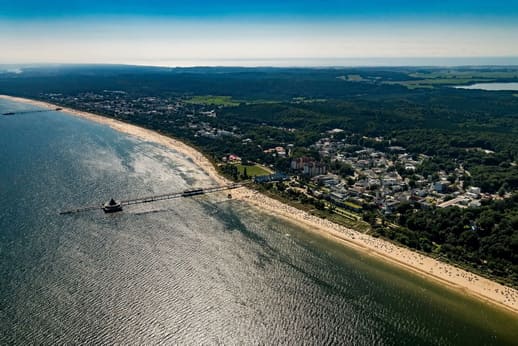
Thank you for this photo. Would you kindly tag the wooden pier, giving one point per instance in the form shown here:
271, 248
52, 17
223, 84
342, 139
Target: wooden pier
155, 198
33, 111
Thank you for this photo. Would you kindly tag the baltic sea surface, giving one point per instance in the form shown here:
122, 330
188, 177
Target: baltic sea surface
204, 270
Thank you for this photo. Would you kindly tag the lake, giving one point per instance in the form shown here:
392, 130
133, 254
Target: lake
490, 86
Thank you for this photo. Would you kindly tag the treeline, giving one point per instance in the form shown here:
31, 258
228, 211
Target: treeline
485, 238
240, 83
452, 126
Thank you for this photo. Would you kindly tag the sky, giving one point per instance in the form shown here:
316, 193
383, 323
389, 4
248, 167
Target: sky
258, 33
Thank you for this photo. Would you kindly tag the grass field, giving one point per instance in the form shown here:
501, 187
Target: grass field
262, 102
453, 77
306, 100
254, 170
225, 101
211, 100
466, 74
353, 78
430, 83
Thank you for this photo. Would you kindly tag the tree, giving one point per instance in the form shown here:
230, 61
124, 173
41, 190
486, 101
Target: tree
369, 217
502, 190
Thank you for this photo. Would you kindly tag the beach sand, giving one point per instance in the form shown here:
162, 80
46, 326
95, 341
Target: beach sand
455, 278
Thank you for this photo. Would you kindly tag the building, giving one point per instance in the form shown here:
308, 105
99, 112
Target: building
327, 180
474, 190
298, 164
440, 186
270, 178
314, 168
210, 114
280, 151
234, 158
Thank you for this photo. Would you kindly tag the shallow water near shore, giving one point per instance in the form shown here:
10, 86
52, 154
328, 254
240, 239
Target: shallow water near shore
204, 270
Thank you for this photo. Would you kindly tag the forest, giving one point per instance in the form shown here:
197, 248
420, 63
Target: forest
484, 238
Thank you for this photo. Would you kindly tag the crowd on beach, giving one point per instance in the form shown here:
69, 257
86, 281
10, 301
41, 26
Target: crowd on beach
412, 260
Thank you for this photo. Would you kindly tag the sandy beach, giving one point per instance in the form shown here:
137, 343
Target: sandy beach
468, 283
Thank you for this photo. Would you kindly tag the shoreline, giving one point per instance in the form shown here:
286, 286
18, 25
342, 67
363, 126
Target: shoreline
446, 274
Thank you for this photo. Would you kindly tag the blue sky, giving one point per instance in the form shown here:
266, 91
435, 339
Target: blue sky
24, 9
183, 32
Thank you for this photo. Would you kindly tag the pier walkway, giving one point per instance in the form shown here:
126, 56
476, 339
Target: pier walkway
33, 111
155, 198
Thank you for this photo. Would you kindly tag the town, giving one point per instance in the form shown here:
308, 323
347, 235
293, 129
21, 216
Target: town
346, 171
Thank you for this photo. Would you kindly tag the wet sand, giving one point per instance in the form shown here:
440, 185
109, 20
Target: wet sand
469, 283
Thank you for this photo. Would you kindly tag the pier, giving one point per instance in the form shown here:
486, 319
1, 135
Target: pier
156, 198
33, 111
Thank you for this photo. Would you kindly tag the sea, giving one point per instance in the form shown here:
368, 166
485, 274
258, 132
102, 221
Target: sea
206, 270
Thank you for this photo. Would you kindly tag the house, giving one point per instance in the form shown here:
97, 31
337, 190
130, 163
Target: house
210, 114
440, 186
474, 190
270, 178
335, 131
234, 158
280, 151
396, 148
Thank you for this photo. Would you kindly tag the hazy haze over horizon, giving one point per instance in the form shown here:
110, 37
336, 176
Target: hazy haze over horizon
266, 33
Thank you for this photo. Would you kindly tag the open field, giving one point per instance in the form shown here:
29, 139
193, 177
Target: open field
261, 102
352, 205
253, 170
353, 78
224, 101
466, 74
213, 100
430, 83
307, 100
431, 79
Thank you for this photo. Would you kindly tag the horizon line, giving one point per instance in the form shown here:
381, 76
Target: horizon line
492, 61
